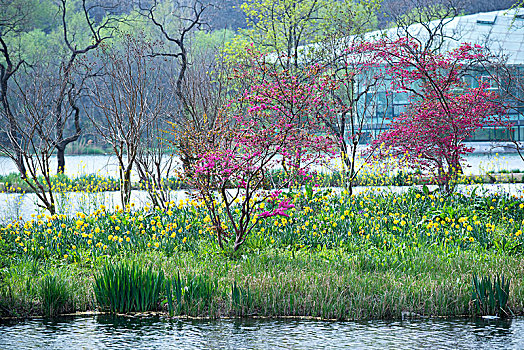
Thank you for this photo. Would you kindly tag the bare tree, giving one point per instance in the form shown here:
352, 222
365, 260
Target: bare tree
32, 108
425, 21
190, 17
363, 106
359, 95
507, 79
99, 32
131, 97
14, 18
154, 165
63, 65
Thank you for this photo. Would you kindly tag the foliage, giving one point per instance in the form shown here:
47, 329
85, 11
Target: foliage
281, 26
341, 19
26, 19
241, 299
61, 184
173, 286
367, 282
128, 287
288, 28
306, 250
204, 42
320, 218
491, 299
193, 294
54, 295
373, 254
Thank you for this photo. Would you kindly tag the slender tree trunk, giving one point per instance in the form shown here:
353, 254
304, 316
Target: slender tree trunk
237, 245
20, 162
126, 187
60, 157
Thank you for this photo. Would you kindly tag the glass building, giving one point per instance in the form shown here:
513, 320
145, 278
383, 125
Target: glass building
502, 32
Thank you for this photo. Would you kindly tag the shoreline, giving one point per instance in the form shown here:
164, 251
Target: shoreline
165, 315
359, 294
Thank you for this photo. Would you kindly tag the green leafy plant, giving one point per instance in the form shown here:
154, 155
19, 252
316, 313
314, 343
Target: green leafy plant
54, 295
241, 298
174, 286
193, 294
491, 298
128, 287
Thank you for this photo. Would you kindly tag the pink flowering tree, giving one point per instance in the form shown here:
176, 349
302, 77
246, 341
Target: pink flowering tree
442, 113
266, 128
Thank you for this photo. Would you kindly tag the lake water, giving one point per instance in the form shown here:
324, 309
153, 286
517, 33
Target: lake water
107, 332
14, 205
106, 165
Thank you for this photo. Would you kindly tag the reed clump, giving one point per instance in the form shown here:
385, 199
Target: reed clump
128, 287
55, 295
491, 298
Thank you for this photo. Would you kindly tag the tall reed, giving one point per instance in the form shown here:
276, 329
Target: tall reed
128, 287
192, 295
54, 295
491, 298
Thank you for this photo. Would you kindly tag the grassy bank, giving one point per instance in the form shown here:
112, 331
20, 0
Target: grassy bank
331, 284
375, 255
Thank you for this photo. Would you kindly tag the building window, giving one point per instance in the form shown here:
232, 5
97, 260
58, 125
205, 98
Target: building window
489, 82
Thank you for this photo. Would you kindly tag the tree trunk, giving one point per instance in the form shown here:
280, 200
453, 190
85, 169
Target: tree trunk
238, 243
126, 187
60, 157
20, 163
52, 209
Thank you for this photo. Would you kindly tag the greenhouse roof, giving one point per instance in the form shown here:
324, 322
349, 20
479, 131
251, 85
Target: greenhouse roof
500, 31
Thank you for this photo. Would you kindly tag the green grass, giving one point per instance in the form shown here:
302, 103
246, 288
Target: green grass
330, 284
54, 293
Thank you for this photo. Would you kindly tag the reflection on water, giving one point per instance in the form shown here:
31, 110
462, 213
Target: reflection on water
102, 165
107, 332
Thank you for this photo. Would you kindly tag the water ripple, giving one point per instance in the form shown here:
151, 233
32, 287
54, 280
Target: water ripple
106, 332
